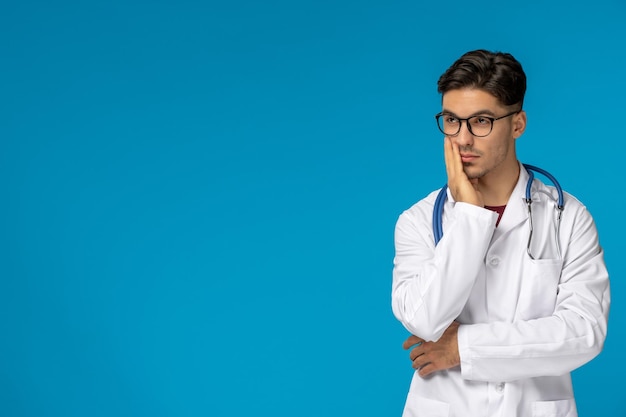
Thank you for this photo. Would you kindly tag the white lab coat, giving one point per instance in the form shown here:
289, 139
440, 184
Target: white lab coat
525, 324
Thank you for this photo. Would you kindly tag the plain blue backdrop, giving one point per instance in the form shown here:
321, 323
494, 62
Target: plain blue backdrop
198, 198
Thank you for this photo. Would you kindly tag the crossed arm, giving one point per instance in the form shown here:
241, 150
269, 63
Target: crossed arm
428, 357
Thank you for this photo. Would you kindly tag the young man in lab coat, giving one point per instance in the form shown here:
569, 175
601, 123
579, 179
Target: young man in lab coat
496, 327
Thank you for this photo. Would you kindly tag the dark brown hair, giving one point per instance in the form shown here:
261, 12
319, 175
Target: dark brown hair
496, 73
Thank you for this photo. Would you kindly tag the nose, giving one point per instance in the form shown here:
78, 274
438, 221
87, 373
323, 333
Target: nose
464, 137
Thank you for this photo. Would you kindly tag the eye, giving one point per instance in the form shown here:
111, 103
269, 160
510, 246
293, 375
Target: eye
450, 120
481, 121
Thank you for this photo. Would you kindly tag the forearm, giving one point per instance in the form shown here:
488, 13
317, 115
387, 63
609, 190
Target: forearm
549, 346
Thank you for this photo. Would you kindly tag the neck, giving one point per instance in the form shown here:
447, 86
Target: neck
496, 187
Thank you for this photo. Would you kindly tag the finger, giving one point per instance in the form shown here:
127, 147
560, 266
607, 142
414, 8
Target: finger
452, 155
426, 370
454, 167
447, 153
411, 341
421, 361
417, 351
448, 149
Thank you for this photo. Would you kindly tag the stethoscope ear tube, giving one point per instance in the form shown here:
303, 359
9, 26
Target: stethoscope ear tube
559, 190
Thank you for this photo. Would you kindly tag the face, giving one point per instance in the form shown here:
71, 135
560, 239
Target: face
494, 154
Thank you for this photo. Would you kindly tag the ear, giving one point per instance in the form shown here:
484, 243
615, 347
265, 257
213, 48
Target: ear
519, 124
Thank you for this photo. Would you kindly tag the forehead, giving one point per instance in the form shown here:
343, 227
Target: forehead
469, 100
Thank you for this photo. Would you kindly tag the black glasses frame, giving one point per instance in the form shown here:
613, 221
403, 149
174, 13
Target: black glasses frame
469, 126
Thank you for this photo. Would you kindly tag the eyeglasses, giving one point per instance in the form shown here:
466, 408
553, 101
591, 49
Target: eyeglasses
479, 126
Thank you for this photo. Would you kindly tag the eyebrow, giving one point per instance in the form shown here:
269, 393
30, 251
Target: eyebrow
477, 113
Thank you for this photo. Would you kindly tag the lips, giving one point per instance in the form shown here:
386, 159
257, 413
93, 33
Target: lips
466, 157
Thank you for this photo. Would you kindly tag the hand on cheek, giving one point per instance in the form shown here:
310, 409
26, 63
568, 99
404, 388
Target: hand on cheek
462, 188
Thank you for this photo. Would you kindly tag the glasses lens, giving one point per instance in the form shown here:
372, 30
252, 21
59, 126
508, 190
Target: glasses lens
479, 125
448, 125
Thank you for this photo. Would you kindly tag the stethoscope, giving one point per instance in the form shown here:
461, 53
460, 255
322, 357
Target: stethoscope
441, 199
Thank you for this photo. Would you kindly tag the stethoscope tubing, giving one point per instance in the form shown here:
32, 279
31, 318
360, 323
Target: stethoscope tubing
442, 196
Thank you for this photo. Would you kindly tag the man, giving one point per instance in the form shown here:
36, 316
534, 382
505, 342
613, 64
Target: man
507, 303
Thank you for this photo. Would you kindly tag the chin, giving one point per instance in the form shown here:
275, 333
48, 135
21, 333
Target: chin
473, 172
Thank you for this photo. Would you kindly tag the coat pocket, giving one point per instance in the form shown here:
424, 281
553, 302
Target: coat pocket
539, 288
561, 408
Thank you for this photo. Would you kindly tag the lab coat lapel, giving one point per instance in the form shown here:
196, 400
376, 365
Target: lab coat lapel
516, 210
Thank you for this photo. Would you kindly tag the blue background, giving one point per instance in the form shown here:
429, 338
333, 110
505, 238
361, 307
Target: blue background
198, 199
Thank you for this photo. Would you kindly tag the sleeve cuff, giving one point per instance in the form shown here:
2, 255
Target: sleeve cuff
478, 212
464, 351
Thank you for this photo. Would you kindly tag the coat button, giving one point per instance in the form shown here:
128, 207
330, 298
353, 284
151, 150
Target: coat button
500, 387
494, 261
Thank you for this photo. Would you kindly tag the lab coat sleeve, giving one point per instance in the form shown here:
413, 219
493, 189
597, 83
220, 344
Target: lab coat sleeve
431, 285
553, 345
